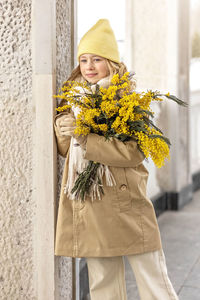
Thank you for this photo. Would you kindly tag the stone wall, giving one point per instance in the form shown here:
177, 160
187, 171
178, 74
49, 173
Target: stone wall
63, 69
35, 56
16, 146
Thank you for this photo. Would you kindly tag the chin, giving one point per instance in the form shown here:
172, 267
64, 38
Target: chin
92, 81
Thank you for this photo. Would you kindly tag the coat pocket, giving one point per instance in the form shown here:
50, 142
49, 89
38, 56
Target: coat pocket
137, 180
123, 190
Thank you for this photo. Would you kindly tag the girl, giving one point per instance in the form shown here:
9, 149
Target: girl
123, 222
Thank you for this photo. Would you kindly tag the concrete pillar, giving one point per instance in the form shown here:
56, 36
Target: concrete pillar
158, 34
45, 155
52, 39
17, 206
65, 44
178, 178
35, 58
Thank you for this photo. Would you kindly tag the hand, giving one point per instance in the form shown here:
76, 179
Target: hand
66, 126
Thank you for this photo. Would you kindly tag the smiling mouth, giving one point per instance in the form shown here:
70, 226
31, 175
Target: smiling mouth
91, 75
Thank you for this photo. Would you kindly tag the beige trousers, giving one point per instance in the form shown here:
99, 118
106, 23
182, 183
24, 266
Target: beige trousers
107, 277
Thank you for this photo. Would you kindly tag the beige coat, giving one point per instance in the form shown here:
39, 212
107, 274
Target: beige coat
124, 221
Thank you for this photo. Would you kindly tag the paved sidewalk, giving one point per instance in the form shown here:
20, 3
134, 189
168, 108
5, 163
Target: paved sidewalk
180, 233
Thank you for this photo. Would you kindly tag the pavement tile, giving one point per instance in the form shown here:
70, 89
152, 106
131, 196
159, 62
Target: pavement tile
131, 286
193, 279
181, 244
189, 293
180, 234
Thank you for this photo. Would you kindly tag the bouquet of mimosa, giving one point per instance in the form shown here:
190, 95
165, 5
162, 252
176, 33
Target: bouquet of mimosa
118, 112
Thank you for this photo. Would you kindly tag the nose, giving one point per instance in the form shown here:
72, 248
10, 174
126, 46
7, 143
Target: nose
90, 65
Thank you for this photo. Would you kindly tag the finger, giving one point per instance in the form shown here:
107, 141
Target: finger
60, 118
65, 123
67, 133
68, 120
69, 117
67, 126
62, 129
58, 122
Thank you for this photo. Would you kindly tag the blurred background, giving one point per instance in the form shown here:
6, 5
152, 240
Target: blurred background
160, 41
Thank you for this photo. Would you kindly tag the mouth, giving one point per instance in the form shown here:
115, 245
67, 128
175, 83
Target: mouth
91, 75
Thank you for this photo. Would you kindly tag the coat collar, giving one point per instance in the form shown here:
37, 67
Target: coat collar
104, 82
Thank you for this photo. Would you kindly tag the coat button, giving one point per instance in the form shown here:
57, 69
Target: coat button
123, 187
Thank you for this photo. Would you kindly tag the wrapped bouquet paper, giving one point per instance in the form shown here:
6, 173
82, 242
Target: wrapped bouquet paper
119, 112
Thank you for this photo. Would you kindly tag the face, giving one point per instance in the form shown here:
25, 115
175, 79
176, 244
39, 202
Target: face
93, 67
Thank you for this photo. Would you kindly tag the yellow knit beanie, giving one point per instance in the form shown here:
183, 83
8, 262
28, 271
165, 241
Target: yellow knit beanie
100, 40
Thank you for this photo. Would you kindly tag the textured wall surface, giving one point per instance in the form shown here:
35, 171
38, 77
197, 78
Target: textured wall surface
16, 204
63, 68
184, 129
150, 31
160, 60
63, 40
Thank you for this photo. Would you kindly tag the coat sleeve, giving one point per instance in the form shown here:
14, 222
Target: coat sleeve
113, 152
63, 141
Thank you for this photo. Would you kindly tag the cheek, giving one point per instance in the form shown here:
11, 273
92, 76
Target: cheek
104, 69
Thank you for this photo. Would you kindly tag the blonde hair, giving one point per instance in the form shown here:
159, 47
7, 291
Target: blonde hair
114, 68
119, 68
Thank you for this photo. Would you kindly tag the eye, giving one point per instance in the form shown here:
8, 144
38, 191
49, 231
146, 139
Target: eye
83, 60
97, 59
